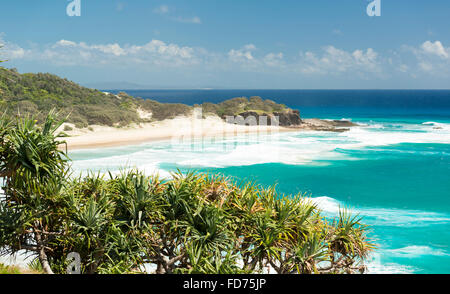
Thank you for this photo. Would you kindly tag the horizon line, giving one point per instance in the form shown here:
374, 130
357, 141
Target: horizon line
268, 89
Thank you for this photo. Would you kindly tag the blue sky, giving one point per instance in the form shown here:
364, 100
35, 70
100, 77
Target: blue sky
320, 44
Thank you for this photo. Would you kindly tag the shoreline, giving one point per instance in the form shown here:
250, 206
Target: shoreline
78, 143
176, 130
182, 129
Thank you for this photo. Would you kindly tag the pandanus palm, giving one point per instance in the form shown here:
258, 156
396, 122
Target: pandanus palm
348, 242
215, 262
207, 228
192, 223
309, 254
34, 169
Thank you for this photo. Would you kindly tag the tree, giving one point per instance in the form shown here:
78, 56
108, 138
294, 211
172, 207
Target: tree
33, 169
192, 223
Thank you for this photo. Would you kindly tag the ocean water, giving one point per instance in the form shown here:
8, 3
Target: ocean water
393, 169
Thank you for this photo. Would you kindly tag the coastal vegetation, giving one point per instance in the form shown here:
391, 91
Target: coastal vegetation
190, 223
37, 94
9, 270
236, 106
33, 268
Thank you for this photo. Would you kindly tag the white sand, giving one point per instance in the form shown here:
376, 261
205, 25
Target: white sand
172, 129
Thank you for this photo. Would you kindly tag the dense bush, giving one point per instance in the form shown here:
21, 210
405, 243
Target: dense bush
193, 223
161, 111
237, 106
37, 94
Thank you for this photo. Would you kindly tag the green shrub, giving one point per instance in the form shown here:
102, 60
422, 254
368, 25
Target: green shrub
163, 111
37, 94
192, 223
81, 125
32, 93
9, 270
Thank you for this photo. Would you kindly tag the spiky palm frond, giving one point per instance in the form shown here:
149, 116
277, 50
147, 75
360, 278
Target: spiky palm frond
208, 229
349, 238
192, 223
309, 253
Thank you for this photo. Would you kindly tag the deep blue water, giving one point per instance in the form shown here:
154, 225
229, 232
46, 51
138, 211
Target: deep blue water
422, 99
394, 169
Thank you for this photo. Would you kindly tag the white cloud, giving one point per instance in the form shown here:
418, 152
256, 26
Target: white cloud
274, 59
159, 53
14, 52
429, 59
113, 49
65, 43
432, 58
248, 59
11, 51
156, 52
435, 48
242, 55
162, 49
335, 61
367, 60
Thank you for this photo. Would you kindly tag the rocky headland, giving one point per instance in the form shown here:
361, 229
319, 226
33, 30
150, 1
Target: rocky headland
290, 119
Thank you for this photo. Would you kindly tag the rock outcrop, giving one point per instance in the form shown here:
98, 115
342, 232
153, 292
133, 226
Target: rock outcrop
289, 119
316, 124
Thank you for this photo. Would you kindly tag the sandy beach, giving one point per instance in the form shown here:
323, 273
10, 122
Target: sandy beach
177, 129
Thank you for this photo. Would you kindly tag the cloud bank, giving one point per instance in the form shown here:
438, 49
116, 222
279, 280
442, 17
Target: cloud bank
431, 58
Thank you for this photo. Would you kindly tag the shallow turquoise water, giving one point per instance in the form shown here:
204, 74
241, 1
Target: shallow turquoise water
393, 170
403, 196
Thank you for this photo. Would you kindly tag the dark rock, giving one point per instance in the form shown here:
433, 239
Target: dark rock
343, 123
290, 118
316, 124
284, 119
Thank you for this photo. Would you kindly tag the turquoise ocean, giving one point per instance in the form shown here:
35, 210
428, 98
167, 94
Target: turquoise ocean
393, 169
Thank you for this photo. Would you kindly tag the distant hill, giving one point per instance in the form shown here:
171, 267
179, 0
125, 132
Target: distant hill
116, 86
37, 94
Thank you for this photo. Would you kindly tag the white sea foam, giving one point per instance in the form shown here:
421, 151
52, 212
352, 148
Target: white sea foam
391, 217
295, 148
327, 204
416, 251
146, 160
385, 216
437, 126
300, 148
288, 148
366, 136
375, 266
